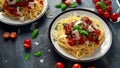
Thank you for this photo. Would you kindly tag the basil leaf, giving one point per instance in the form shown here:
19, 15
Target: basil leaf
54, 40
83, 32
64, 24
35, 33
1, 9
89, 45
63, 7
18, 0
37, 54
73, 5
56, 27
58, 5
102, 5
26, 56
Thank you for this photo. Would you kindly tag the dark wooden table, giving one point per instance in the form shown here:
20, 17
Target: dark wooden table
12, 52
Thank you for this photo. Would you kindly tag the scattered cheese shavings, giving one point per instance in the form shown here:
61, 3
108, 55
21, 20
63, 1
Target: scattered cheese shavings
49, 50
22, 18
36, 43
49, 15
90, 29
18, 10
41, 60
31, 4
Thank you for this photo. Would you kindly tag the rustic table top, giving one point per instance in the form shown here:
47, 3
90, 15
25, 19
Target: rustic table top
12, 52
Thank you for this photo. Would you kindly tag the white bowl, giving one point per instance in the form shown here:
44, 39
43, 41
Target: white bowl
8, 20
101, 51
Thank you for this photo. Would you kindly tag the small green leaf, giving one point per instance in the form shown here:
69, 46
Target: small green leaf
18, 0
77, 42
89, 45
54, 40
102, 5
26, 56
1, 9
35, 33
56, 27
58, 5
73, 5
37, 54
77, 27
63, 7
83, 32
64, 24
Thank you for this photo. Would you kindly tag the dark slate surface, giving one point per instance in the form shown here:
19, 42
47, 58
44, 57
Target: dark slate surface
11, 52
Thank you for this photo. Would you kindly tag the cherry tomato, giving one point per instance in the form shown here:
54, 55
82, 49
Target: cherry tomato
6, 35
97, 6
109, 9
67, 2
114, 17
95, 1
59, 65
108, 3
100, 11
76, 65
78, 1
106, 14
27, 43
92, 67
13, 35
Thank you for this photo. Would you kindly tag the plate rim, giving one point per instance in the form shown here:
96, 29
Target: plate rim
29, 22
79, 9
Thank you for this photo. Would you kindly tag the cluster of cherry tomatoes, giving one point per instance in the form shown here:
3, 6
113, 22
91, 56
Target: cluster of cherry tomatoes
8, 35
104, 8
76, 65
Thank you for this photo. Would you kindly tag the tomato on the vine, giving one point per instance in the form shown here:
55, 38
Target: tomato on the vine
114, 17
59, 65
76, 65
108, 3
6, 35
100, 11
95, 1
109, 9
13, 35
106, 14
27, 43
78, 1
97, 6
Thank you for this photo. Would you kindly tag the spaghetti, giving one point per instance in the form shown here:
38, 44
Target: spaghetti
22, 9
79, 36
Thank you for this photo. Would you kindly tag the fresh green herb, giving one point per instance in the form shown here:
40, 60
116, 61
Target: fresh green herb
102, 5
37, 54
63, 7
58, 5
18, 0
35, 33
26, 56
83, 32
64, 24
89, 45
77, 27
78, 16
56, 27
77, 42
54, 40
1, 9
73, 5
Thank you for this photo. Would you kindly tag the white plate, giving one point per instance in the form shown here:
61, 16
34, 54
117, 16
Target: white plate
118, 2
10, 21
105, 46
